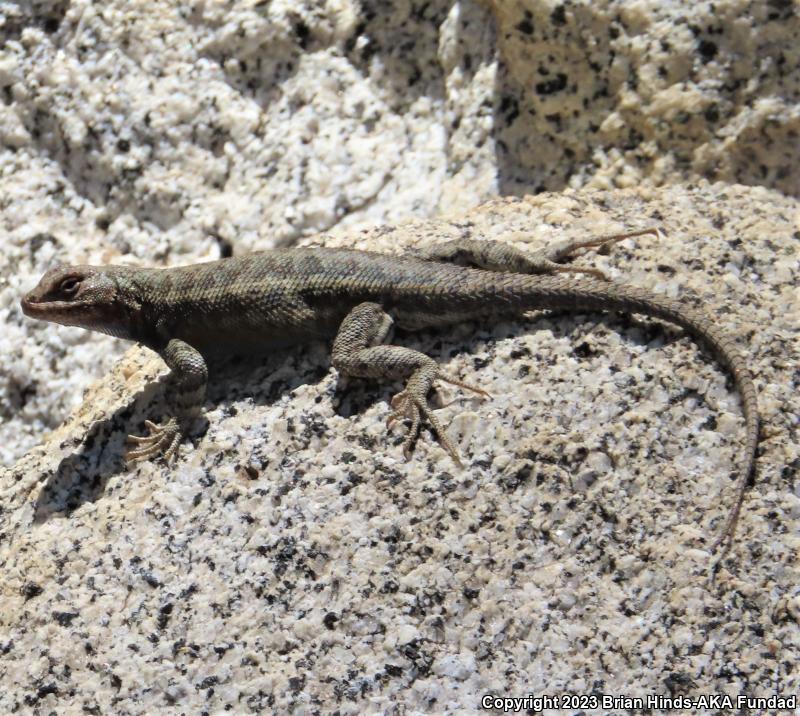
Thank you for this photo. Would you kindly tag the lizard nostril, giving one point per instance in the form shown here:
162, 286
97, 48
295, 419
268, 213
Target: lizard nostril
28, 304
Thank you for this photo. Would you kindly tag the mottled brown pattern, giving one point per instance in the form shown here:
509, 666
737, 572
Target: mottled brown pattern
287, 296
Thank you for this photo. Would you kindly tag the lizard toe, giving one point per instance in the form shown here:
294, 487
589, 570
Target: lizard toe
163, 439
408, 406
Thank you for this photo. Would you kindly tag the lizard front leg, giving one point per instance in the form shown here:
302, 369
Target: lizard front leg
186, 394
494, 255
357, 352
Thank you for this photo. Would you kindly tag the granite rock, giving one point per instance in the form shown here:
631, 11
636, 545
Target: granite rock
606, 94
164, 134
293, 562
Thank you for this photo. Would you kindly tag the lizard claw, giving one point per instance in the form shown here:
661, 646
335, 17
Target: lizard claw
410, 406
163, 439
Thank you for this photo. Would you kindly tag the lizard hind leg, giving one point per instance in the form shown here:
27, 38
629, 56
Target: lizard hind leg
494, 255
355, 353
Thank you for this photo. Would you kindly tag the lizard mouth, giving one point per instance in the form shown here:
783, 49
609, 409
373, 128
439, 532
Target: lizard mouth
34, 307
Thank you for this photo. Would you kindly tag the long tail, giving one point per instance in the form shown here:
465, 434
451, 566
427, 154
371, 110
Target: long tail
564, 291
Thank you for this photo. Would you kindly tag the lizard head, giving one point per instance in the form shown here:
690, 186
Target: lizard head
85, 296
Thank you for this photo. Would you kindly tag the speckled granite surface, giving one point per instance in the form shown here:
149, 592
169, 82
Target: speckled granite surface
619, 93
293, 562
176, 132
170, 133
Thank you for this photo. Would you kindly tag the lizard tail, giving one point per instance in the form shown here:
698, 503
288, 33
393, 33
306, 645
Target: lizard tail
564, 291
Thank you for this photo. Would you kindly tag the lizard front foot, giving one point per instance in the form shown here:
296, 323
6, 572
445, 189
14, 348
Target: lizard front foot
163, 439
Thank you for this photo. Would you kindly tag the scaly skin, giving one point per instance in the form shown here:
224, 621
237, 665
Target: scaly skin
288, 296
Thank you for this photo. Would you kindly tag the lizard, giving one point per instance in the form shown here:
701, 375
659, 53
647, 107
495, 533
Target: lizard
287, 296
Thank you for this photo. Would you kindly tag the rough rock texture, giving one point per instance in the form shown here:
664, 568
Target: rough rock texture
170, 132
619, 93
250, 120
292, 562
166, 133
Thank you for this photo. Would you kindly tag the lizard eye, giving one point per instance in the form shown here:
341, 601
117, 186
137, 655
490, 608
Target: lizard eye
69, 286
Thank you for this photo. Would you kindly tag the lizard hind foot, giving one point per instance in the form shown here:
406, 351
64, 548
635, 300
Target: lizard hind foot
556, 258
163, 439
